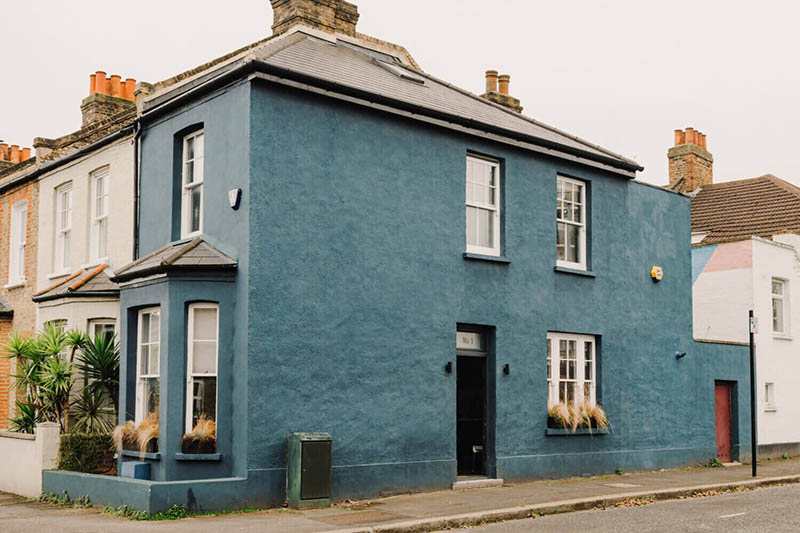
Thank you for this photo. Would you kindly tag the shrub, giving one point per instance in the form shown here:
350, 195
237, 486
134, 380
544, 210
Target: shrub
80, 452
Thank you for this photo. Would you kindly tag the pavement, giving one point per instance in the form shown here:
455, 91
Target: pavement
429, 511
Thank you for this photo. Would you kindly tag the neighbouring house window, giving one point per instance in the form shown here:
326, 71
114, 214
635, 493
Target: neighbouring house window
192, 194
99, 207
571, 376
148, 348
483, 206
202, 343
571, 223
63, 227
102, 326
778, 305
17, 243
769, 396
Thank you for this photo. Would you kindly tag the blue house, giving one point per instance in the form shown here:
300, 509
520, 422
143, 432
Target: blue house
332, 240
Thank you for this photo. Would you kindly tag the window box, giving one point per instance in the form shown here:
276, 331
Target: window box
191, 445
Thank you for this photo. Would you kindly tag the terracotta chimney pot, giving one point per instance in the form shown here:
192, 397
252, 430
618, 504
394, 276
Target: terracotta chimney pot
491, 81
92, 84
505, 80
678, 137
3, 152
130, 85
13, 153
100, 82
116, 88
26, 154
690, 136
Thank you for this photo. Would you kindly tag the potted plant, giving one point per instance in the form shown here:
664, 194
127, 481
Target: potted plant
202, 438
572, 417
142, 438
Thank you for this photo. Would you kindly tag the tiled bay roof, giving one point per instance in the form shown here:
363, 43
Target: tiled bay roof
83, 283
194, 255
736, 210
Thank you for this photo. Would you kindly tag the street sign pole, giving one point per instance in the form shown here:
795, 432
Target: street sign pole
753, 433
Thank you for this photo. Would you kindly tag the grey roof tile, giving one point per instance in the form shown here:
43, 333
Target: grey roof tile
194, 254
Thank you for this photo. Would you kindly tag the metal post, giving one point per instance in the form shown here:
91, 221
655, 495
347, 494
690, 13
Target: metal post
753, 407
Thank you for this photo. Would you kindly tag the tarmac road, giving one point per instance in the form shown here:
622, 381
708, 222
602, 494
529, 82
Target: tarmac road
762, 510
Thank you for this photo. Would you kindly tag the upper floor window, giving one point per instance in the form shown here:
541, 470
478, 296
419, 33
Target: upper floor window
779, 306
99, 214
571, 369
483, 206
202, 343
571, 223
192, 185
17, 243
148, 346
63, 227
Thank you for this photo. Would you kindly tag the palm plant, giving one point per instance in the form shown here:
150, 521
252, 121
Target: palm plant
99, 361
27, 419
88, 413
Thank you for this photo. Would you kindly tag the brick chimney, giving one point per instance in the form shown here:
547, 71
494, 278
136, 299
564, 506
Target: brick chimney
690, 164
332, 16
107, 97
12, 155
500, 96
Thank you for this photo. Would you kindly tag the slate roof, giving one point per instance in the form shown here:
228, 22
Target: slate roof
83, 283
345, 67
737, 210
194, 255
5, 310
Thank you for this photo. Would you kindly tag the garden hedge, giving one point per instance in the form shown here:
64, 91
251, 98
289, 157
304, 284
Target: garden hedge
80, 452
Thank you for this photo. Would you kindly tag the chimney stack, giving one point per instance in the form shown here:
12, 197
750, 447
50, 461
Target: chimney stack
108, 96
500, 96
690, 163
12, 155
332, 16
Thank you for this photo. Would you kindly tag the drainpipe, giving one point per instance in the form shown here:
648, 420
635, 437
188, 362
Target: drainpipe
137, 133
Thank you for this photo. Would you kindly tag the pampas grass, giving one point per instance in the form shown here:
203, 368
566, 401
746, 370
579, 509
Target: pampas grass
573, 417
124, 434
136, 437
203, 437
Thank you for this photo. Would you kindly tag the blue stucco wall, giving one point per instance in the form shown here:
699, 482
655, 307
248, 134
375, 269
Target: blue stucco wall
351, 282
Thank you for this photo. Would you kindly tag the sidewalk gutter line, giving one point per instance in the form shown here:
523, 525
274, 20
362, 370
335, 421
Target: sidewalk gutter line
580, 504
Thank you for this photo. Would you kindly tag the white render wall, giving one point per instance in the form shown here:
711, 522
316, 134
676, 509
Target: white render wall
78, 312
118, 156
23, 457
722, 296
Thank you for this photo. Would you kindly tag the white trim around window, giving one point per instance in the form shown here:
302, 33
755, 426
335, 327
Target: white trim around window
17, 243
571, 369
571, 223
202, 341
483, 206
148, 348
63, 229
769, 397
192, 184
98, 249
780, 307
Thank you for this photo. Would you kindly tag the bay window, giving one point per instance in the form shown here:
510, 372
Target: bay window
571, 223
483, 206
571, 366
17, 243
147, 375
192, 185
203, 347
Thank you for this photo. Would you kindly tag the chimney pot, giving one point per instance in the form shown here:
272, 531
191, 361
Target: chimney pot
3, 152
100, 82
13, 153
491, 81
116, 88
92, 84
504, 80
130, 85
690, 168
26, 154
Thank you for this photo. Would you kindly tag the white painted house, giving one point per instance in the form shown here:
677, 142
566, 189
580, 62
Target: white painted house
746, 255
86, 221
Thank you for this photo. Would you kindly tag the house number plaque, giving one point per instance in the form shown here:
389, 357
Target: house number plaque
468, 340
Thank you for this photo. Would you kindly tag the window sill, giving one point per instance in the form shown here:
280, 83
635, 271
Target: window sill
561, 432
153, 456
491, 258
565, 270
770, 409
198, 457
95, 263
781, 336
15, 284
55, 275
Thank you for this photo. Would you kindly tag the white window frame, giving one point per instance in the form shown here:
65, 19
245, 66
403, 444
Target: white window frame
63, 229
197, 163
95, 322
492, 208
141, 400
581, 245
579, 376
98, 250
769, 397
190, 375
17, 243
782, 300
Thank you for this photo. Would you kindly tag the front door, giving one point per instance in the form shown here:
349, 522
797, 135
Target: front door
471, 402
722, 403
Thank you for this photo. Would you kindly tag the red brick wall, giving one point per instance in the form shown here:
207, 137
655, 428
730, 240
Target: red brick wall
19, 299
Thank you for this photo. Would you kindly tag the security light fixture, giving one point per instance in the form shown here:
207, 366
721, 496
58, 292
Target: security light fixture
680, 355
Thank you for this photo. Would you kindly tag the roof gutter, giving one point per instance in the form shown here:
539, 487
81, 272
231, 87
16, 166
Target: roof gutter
122, 132
167, 103
84, 294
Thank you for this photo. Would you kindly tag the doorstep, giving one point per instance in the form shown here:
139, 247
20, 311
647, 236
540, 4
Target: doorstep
476, 482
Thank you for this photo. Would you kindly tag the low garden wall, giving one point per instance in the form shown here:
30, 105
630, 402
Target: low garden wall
23, 458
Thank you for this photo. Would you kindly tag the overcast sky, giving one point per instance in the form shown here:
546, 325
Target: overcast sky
621, 74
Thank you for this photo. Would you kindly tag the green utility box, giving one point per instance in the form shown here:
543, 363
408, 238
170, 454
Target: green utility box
308, 470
